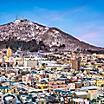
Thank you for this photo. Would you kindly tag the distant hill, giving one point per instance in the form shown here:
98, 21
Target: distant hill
32, 36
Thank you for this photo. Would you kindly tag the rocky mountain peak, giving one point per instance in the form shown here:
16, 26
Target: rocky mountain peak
26, 31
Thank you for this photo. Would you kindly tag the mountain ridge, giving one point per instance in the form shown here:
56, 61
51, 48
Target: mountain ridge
49, 38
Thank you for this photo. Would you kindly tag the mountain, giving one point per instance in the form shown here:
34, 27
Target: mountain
32, 36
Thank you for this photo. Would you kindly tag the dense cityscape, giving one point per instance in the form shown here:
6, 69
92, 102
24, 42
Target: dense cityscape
51, 51
51, 77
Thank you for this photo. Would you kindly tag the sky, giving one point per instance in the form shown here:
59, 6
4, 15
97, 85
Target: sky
83, 19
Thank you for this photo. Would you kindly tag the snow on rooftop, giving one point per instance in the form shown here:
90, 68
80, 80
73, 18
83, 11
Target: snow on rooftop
81, 93
89, 88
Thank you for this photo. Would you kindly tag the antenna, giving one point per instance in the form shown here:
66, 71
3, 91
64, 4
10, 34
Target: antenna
16, 17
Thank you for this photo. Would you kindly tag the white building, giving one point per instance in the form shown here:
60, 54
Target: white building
30, 62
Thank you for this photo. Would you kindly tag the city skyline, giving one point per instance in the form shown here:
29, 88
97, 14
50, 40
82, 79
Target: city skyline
80, 18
